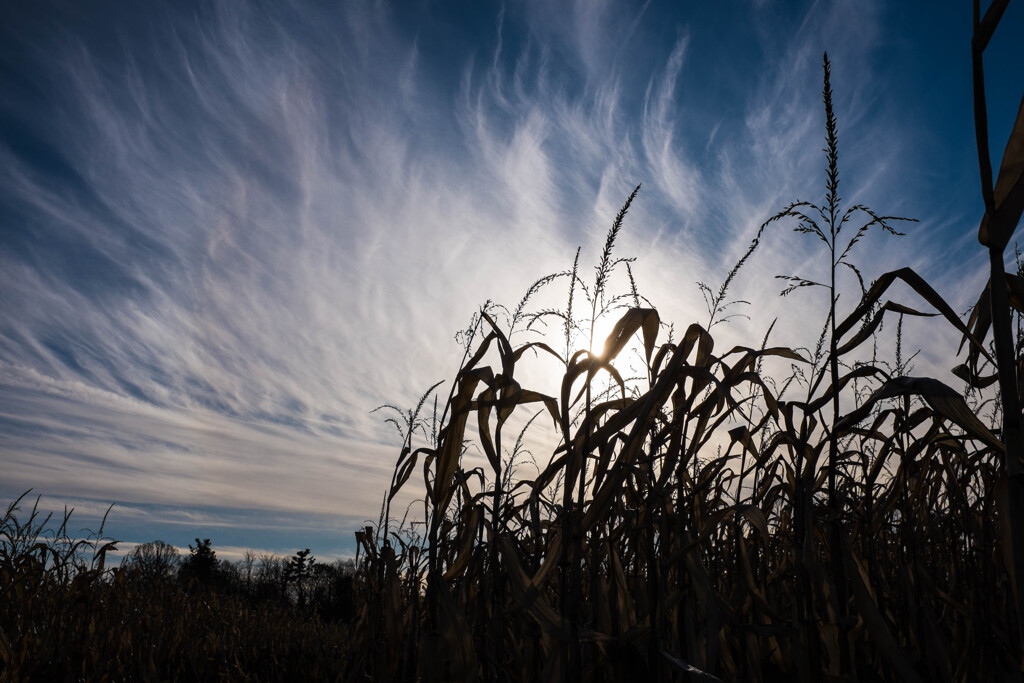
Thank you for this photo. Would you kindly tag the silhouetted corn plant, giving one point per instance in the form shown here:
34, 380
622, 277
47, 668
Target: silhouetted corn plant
702, 520
638, 549
1004, 204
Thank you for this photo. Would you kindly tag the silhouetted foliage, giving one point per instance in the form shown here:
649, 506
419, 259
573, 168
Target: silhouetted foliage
201, 564
333, 590
153, 560
64, 616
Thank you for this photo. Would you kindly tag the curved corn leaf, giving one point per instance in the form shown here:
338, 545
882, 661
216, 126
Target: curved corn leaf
941, 398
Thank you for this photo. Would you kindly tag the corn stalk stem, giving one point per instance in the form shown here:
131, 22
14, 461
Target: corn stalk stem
999, 300
1011, 434
835, 521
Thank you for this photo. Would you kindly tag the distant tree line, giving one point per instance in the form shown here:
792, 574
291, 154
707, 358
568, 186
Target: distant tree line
299, 581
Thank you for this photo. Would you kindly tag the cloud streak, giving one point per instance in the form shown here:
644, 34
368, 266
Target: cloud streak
233, 229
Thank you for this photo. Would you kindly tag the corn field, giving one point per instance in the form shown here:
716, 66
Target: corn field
755, 513
705, 521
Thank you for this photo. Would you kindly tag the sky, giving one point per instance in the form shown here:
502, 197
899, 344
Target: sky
229, 230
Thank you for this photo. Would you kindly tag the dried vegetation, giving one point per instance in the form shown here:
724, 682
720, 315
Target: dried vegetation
846, 521
701, 521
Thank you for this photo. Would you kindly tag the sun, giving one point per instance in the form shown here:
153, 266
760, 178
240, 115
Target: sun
603, 327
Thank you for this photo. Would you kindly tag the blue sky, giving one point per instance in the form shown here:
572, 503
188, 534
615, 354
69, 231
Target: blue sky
229, 230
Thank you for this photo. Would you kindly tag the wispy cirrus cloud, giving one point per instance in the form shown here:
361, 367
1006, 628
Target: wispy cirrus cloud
233, 229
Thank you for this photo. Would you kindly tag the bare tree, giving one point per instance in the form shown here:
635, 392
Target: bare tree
155, 559
247, 565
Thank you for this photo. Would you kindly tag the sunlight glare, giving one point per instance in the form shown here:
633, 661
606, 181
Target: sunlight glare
603, 326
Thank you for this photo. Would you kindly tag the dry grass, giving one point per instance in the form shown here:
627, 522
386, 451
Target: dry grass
64, 617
